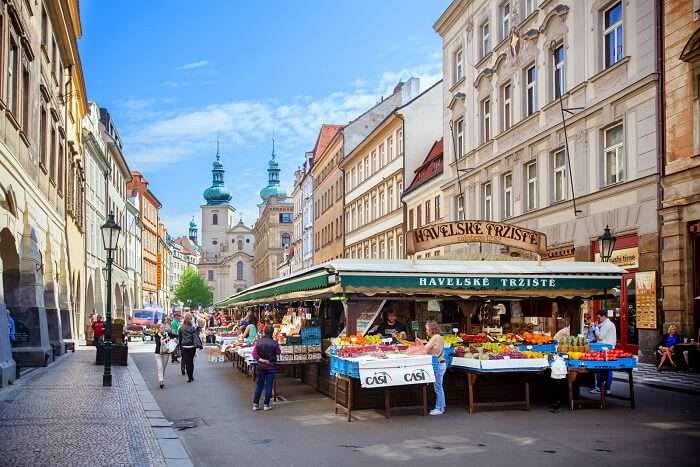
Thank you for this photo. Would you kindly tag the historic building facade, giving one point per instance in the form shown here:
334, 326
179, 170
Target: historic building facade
227, 246
300, 254
423, 195
507, 155
149, 219
132, 232
41, 181
325, 207
274, 228
681, 176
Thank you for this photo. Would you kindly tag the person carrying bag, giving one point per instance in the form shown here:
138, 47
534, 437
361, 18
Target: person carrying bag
165, 345
190, 341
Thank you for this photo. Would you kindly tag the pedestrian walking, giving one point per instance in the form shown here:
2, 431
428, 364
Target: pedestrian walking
165, 340
436, 347
98, 330
89, 336
175, 326
265, 354
189, 343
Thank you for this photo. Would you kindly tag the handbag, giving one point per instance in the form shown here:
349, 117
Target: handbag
198, 341
168, 346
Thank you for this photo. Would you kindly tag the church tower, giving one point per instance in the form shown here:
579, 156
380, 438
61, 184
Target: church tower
193, 232
217, 212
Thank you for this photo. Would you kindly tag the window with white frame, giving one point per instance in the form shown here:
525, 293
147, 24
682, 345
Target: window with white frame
382, 250
530, 90
382, 158
367, 172
487, 205
347, 221
459, 201
437, 207
374, 162
508, 195
391, 247
399, 142
559, 173
360, 173
486, 119
389, 198
374, 208
507, 102
419, 216
505, 20
390, 148
612, 34
367, 210
427, 212
410, 219
531, 190
382, 200
613, 163
354, 178
354, 218
529, 7
458, 61
459, 130
485, 39
360, 214
558, 71
401, 252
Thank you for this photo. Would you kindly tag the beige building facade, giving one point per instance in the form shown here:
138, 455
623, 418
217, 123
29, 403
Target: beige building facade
327, 196
681, 181
506, 158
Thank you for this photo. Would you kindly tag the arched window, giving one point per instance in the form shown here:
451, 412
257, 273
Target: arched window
240, 244
239, 271
215, 219
285, 239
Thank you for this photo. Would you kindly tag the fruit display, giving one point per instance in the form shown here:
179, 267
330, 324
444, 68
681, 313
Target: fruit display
475, 338
357, 340
573, 344
536, 339
510, 338
452, 340
599, 356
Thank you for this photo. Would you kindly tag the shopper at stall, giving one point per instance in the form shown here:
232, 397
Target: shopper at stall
265, 353
98, 330
163, 350
667, 346
189, 343
392, 327
605, 333
251, 330
436, 347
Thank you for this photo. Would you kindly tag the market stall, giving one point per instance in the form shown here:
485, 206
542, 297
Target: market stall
496, 300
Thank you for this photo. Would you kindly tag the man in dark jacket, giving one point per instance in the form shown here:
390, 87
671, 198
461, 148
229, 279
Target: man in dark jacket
265, 353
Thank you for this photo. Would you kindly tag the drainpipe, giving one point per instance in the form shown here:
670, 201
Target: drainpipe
400, 195
661, 150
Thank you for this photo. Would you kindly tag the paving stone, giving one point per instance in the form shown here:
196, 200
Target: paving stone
63, 416
172, 449
179, 463
165, 433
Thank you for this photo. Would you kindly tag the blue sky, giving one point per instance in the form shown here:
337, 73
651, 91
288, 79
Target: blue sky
176, 73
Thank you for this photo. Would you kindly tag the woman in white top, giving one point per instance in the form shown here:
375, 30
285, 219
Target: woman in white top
436, 346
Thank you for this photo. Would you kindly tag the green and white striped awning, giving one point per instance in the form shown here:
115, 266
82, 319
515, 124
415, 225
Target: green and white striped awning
436, 278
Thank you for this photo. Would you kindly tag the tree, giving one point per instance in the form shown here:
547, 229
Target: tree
192, 291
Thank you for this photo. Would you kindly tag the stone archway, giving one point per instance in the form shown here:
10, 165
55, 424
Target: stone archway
126, 304
9, 266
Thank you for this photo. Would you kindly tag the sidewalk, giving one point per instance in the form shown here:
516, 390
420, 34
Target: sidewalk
674, 380
61, 415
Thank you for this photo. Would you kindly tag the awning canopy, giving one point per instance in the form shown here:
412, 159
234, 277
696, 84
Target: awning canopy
436, 278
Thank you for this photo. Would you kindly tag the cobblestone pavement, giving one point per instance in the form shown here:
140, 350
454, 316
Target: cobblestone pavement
62, 416
679, 380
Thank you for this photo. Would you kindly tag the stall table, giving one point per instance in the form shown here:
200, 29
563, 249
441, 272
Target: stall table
473, 374
575, 400
349, 388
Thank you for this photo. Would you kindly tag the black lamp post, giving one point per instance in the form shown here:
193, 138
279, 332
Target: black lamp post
110, 237
606, 245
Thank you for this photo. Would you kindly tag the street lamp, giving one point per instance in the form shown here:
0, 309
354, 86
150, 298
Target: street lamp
606, 245
110, 237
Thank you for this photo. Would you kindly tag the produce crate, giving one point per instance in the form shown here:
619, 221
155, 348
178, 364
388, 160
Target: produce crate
311, 335
311, 341
619, 364
300, 356
314, 348
548, 348
285, 357
287, 349
300, 349
315, 356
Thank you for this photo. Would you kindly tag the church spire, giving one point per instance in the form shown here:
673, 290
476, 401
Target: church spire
217, 193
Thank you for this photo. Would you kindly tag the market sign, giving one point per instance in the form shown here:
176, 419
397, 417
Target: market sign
478, 282
475, 231
385, 377
645, 287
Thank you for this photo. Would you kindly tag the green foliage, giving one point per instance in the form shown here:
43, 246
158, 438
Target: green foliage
192, 290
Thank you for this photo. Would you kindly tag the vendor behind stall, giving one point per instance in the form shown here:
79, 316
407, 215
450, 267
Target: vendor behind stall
391, 327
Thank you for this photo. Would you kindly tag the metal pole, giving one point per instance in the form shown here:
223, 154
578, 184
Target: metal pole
107, 376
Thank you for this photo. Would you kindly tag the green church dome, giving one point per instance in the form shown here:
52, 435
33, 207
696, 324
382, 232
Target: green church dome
273, 187
217, 193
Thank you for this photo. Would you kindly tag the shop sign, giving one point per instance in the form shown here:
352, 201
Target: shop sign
475, 231
385, 377
565, 253
625, 258
645, 287
489, 282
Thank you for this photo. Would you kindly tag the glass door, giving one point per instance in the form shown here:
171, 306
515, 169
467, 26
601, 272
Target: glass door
627, 333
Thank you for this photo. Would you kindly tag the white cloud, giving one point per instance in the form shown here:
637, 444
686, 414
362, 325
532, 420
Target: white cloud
156, 137
194, 65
